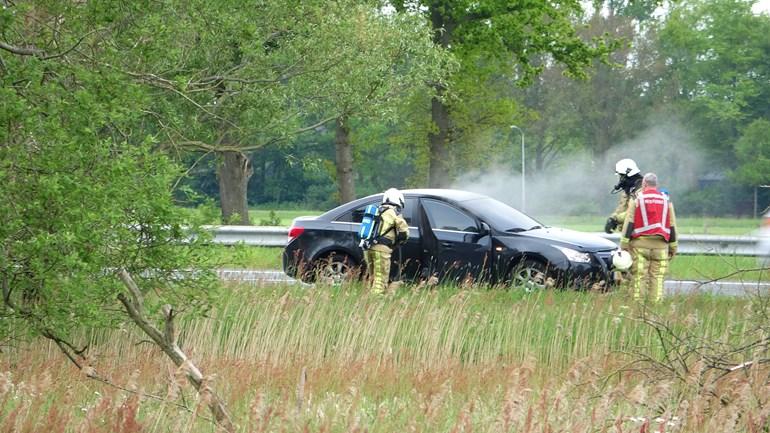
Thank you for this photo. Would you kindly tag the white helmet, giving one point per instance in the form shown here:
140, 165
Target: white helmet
394, 197
626, 167
621, 260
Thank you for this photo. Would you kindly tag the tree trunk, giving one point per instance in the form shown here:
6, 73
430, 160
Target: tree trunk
234, 173
602, 144
344, 156
438, 174
540, 151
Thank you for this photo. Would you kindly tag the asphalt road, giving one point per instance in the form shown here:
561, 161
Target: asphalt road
728, 288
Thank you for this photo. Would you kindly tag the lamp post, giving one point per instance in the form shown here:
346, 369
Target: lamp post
523, 170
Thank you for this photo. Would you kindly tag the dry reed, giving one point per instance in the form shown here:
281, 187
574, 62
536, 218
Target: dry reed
440, 360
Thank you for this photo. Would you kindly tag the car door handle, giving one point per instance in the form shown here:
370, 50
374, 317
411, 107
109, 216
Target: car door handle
447, 244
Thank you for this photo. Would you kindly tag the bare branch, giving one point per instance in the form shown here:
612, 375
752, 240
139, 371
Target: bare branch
189, 169
133, 289
738, 272
142, 394
218, 147
169, 332
167, 343
21, 51
7, 291
34, 51
163, 83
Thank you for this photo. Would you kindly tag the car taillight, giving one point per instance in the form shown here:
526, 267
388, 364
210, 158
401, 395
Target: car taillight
295, 231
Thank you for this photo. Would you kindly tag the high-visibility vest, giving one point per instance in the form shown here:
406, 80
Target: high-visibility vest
651, 215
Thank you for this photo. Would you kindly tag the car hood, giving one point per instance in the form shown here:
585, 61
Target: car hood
582, 240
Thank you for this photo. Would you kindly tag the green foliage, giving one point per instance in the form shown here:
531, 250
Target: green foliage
381, 60
271, 220
84, 194
498, 45
717, 56
753, 151
733, 199
299, 172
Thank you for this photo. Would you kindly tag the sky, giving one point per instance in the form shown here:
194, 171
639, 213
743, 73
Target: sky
762, 6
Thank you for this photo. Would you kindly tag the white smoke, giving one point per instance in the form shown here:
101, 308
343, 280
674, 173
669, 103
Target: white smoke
581, 185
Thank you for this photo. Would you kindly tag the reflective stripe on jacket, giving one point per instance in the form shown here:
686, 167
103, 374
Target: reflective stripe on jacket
651, 215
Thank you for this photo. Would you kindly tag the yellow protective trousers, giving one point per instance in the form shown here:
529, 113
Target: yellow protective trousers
378, 266
649, 267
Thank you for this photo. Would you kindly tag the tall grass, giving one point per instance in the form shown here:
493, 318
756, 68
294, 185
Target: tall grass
452, 326
440, 360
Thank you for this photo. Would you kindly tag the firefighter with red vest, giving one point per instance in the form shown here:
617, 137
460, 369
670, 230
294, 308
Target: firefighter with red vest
649, 234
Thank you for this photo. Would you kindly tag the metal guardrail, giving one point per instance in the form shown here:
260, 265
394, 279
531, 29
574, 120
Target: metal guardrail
251, 235
709, 244
688, 244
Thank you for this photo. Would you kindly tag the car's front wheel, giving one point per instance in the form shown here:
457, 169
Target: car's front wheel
530, 275
335, 268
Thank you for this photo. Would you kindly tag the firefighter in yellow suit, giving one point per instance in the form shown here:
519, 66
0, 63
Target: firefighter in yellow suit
649, 234
629, 183
393, 231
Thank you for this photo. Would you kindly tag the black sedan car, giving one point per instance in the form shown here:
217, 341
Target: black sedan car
456, 237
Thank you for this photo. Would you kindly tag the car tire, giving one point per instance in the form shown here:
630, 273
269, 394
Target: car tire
334, 269
530, 276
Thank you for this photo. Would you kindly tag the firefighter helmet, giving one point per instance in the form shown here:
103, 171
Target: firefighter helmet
394, 197
621, 260
626, 167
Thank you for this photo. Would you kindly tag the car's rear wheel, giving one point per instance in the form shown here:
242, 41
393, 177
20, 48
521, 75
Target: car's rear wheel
530, 275
334, 269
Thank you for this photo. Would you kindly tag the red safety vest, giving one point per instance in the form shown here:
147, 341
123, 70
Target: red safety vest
651, 215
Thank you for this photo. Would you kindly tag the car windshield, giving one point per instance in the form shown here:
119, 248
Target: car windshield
501, 216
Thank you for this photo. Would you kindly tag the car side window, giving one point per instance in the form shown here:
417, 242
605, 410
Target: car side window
355, 215
410, 208
443, 216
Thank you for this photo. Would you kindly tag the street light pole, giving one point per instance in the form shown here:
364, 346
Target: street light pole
523, 171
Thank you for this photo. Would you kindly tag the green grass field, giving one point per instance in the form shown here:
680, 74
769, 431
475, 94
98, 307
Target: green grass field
283, 217
446, 360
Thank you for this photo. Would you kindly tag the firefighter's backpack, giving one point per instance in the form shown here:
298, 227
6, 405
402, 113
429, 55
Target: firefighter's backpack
370, 226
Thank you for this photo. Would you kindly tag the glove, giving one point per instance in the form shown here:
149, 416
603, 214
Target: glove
671, 252
610, 225
401, 237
